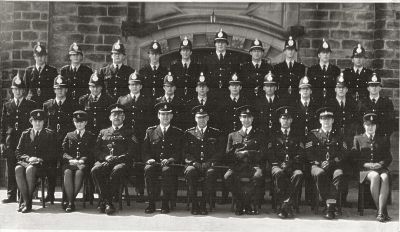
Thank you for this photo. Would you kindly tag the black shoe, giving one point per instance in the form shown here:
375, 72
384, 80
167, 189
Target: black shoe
27, 208
70, 208
203, 208
101, 208
330, 215
110, 209
9, 200
381, 218
164, 207
248, 210
64, 205
49, 198
289, 211
239, 212
150, 209
21, 207
282, 214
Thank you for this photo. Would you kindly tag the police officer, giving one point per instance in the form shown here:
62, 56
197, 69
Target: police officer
116, 75
95, 104
138, 117
116, 150
176, 102
59, 119
287, 159
77, 74
78, 156
289, 72
373, 155
306, 106
162, 148
357, 76
325, 149
252, 72
39, 78
203, 98
246, 150
220, 65
153, 73
186, 71
267, 104
36, 151
380, 105
323, 75
203, 148
14, 120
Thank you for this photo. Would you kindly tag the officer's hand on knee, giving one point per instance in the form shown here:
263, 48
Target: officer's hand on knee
164, 162
197, 165
258, 172
150, 161
325, 165
228, 174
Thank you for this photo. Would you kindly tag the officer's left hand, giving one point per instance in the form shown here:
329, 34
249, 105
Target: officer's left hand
325, 164
73, 162
164, 162
376, 166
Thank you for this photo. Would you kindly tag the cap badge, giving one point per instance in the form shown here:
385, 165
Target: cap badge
374, 78
371, 118
359, 50
165, 107
290, 42
185, 42
341, 79
201, 110
59, 80
39, 48
18, 81
155, 46
38, 114
234, 77
286, 111
220, 34
202, 78
269, 76
325, 45
117, 46
170, 78
248, 111
305, 80
75, 47
134, 77
256, 42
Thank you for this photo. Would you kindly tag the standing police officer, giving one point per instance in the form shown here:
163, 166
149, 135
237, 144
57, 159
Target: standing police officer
252, 73
380, 105
14, 120
289, 72
246, 150
203, 148
77, 74
39, 77
162, 147
323, 75
95, 104
325, 149
357, 76
186, 71
59, 119
116, 150
287, 157
153, 73
220, 65
116, 75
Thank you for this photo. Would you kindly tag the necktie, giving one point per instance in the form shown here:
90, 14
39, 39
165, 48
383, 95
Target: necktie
286, 132
17, 103
201, 132
95, 98
202, 101
328, 133
358, 72
169, 99
164, 131
185, 67
324, 68
154, 68
306, 104
374, 101
341, 104
134, 98
235, 99
75, 71
79, 134
257, 66
59, 103
221, 57
290, 65
36, 137
269, 100
40, 69
116, 68
246, 131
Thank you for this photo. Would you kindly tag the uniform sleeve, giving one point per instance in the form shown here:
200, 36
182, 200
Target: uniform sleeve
20, 152
146, 149
66, 150
309, 148
4, 120
133, 149
178, 153
100, 155
186, 147
219, 154
386, 155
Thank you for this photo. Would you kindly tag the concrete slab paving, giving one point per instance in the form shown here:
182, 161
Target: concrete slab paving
53, 218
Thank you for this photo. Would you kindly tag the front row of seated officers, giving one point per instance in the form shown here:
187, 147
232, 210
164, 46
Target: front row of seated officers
198, 152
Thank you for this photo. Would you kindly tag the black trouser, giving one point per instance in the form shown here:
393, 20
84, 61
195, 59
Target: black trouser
286, 183
108, 178
329, 183
192, 176
138, 172
11, 182
168, 175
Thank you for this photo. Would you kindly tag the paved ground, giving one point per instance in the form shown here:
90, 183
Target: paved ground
133, 219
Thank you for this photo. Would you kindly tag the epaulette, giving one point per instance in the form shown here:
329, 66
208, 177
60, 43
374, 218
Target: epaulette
49, 130
215, 129
65, 66
84, 96
177, 128
48, 101
315, 130
192, 128
151, 127
308, 144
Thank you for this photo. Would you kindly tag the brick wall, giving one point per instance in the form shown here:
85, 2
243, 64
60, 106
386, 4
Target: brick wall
344, 25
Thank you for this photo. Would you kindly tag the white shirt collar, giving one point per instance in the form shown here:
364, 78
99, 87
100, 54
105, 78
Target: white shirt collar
369, 135
287, 62
322, 66
81, 132
62, 100
248, 129
254, 63
42, 67
343, 100
98, 96
119, 127
171, 97
20, 100
272, 98
232, 97
223, 53
376, 98
303, 101
152, 66
204, 99
35, 131
164, 128
187, 63
326, 132
355, 69
115, 65
77, 67
283, 130
136, 95
204, 129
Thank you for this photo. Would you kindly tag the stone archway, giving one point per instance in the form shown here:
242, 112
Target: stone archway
202, 36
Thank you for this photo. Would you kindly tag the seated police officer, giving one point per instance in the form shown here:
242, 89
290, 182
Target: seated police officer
246, 149
77, 157
287, 161
373, 153
35, 152
203, 148
162, 147
325, 149
116, 150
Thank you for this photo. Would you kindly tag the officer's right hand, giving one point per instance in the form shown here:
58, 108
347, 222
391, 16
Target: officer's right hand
325, 165
151, 161
73, 162
32, 159
368, 165
164, 162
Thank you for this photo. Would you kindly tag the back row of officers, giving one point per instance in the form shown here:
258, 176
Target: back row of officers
293, 122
